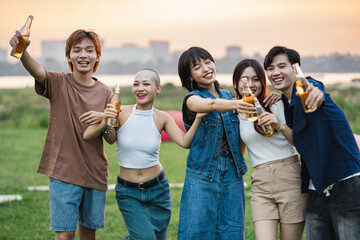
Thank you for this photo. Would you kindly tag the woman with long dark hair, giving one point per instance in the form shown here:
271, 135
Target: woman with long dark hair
276, 196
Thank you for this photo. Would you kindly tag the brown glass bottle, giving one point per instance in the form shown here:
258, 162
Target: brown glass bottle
116, 101
248, 97
267, 129
18, 49
301, 86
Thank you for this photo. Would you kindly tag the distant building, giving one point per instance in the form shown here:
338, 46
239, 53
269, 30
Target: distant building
159, 51
233, 52
176, 55
128, 53
259, 58
53, 51
3, 55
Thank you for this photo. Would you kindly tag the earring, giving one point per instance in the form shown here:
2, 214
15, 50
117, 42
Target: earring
191, 85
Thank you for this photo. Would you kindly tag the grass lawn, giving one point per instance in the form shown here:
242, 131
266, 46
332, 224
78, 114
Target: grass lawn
23, 122
20, 151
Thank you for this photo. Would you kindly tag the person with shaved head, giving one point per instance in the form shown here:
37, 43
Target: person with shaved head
142, 189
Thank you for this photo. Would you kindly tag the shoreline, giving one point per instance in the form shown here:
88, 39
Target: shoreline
11, 82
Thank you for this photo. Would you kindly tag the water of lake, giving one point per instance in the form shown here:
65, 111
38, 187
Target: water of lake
126, 80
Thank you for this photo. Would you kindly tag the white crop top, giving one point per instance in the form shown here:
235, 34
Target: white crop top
261, 148
138, 140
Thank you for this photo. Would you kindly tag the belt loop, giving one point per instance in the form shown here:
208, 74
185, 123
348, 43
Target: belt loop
157, 178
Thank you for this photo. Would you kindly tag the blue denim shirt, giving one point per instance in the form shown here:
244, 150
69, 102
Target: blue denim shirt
324, 140
205, 146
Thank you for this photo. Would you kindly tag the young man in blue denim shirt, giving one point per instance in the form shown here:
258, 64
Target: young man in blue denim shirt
329, 153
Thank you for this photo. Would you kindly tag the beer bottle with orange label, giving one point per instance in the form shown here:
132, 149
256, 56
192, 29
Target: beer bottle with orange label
18, 49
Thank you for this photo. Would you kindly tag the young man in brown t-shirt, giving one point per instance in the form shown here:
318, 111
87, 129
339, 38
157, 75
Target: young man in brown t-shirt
77, 169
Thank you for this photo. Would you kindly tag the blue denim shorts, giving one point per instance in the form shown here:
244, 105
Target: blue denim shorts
71, 205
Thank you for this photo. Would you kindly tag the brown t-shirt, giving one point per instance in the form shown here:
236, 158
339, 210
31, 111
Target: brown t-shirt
66, 155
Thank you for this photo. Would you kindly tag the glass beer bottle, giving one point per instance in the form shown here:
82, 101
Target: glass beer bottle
248, 97
267, 129
116, 101
301, 86
18, 49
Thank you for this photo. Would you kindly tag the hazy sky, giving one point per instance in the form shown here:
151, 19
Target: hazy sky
313, 27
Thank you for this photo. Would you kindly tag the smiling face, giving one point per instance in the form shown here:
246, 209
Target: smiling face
83, 56
253, 81
281, 74
145, 89
203, 72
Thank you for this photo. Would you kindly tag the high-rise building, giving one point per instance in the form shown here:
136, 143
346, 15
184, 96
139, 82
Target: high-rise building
3, 55
53, 51
128, 53
159, 51
233, 52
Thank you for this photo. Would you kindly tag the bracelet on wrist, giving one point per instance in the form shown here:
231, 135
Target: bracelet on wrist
107, 132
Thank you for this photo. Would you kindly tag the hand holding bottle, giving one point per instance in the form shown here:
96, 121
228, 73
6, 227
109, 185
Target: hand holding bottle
19, 42
315, 97
110, 111
116, 105
267, 118
267, 128
248, 97
304, 89
244, 108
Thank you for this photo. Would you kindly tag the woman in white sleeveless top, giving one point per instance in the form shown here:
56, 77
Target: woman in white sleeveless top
276, 197
142, 189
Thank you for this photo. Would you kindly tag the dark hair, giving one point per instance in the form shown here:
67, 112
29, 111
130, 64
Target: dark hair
292, 55
186, 61
239, 70
76, 37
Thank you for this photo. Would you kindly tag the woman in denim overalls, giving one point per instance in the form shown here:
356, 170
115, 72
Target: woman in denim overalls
212, 202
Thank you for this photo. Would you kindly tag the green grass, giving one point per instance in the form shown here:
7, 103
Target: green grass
23, 108
23, 118
20, 152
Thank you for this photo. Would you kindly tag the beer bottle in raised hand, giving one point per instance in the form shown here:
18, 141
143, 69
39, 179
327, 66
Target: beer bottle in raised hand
301, 86
18, 49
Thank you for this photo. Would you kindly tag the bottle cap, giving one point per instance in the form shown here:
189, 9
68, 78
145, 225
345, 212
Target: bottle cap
117, 88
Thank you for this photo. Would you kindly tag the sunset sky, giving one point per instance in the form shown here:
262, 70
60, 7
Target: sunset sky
313, 27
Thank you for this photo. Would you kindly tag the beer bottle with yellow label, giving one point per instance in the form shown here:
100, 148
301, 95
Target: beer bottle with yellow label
18, 49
